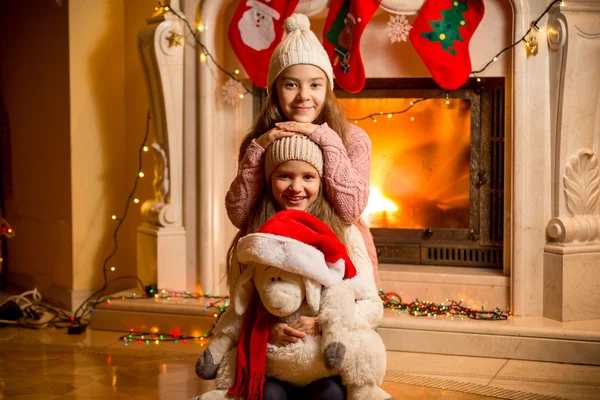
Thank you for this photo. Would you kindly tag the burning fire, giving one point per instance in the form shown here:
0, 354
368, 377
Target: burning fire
379, 209
420, 162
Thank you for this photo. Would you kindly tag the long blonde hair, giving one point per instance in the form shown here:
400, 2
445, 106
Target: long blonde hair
270, 113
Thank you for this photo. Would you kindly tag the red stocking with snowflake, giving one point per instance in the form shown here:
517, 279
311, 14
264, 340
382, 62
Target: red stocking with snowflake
255, 31
344, 26
441, 34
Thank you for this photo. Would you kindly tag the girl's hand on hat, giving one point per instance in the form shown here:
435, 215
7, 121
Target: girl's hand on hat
282, 334
305, 128
269, 137
307, 325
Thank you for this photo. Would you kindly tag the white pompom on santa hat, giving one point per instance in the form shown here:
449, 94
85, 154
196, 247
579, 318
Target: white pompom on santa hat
298, 242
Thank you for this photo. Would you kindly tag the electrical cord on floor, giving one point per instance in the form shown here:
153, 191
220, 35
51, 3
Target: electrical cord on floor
26, 310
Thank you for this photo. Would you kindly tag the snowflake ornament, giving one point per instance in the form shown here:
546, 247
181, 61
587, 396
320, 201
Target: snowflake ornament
397, 28
232, 90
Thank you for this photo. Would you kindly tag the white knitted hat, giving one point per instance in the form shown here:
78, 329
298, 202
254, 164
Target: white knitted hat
297, 147
299, 46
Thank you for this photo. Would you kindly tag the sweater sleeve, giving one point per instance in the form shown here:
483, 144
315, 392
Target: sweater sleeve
247, 186
346, 170
369, 308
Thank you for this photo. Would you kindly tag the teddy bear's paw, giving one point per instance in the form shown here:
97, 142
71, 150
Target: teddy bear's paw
205, 366
368, 391
213, 395
334, 355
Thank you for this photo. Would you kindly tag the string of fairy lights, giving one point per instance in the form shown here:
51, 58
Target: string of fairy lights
451, 310
529, 38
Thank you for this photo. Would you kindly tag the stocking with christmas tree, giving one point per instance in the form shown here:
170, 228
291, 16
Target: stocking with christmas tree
344, 26
441, 34
255, 31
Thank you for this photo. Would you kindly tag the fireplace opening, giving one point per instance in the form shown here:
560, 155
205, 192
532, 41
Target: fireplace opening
437, 170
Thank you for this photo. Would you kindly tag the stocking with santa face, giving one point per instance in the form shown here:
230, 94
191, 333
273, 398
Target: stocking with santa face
255, 31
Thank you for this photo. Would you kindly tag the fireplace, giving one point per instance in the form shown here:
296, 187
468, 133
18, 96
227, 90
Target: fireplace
437, 180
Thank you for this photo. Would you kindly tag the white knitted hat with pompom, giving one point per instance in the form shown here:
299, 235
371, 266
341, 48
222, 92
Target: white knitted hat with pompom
299, 46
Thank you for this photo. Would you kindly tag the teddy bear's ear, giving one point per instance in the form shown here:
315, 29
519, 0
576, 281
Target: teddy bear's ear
313, 293
243, 291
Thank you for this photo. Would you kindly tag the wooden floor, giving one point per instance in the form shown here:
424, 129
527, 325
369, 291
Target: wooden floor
49, 364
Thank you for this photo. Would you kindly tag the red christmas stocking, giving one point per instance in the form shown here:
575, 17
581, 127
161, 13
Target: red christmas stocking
441, 34
254, 32
345, 24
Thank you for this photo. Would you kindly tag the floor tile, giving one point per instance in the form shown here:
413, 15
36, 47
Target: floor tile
573, 392
408, 392
438, 364
550, 372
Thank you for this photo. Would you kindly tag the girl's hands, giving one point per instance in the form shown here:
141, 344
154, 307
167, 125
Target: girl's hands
305, 128
285, 129
269, 137
282, 334
306, 325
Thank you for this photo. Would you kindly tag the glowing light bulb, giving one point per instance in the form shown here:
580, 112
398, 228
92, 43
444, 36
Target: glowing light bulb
562, 3
447, 101
374, 120
237, 71
114, 217
242, 96
145, 148
478, 79
136, 200
412, 118
202, 57
112, 268
166, 8
356, 121
141, 174
201, 28
495, 58
412, 103
389, 115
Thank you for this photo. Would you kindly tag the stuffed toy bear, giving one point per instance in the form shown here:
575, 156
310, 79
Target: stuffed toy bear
297, 266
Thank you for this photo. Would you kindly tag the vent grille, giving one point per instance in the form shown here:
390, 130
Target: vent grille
474, 257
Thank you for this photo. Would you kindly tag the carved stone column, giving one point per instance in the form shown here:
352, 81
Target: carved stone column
161, 239
572, 253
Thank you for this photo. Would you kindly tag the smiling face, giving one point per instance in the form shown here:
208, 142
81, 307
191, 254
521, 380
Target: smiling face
301, 90
295, 185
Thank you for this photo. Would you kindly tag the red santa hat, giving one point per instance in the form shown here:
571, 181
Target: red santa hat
298, 242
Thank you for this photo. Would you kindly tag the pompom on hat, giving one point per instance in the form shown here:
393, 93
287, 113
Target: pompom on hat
299, 46
298, 242
293, 148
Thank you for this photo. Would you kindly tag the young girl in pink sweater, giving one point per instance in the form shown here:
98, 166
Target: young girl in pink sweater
309, 108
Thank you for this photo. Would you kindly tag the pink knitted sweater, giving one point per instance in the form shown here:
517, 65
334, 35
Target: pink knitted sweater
346, 174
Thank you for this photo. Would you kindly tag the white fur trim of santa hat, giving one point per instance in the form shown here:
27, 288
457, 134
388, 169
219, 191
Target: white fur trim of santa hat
265, 9
290, 255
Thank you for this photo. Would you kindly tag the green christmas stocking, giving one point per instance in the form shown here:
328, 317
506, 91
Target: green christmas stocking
345, 24
441, 34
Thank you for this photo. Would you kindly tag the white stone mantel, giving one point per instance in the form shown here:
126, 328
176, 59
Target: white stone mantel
553, 116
